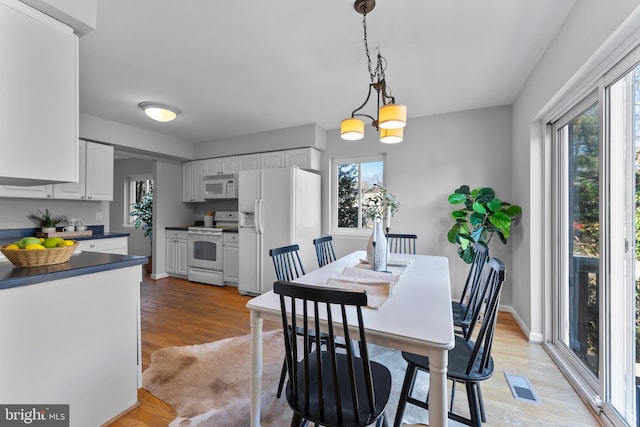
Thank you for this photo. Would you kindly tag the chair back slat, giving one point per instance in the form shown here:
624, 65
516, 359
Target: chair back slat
490, 297
323, 377
401, 243
287, 262
324, 250
470, 297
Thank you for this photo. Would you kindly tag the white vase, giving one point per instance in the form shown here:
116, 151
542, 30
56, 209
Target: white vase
377, 254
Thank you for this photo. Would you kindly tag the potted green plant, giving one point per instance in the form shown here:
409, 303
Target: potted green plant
142, 214
482, 216
46, 220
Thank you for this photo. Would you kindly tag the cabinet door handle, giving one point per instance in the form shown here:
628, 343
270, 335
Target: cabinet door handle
90, 197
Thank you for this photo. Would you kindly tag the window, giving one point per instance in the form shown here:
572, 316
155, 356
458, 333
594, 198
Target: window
353, 179
136, 187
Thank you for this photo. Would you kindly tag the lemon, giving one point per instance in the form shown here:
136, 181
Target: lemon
13, 247
68, 243
34, 246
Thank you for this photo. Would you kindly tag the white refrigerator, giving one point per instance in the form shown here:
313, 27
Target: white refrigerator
277, 207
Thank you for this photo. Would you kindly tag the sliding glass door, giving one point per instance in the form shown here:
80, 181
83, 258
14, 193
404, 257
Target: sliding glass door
596, 224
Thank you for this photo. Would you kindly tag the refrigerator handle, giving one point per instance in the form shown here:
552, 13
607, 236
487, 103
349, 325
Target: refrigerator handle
258, 214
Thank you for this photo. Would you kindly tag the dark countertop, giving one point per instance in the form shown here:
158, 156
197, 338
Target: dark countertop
80, 264
179, 227
10, 235
230, 230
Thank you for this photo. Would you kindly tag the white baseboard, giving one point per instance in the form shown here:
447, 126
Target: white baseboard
535, 338
158, 276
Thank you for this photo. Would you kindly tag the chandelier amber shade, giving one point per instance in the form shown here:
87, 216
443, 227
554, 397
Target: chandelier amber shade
391, 136
392, 116
352, 129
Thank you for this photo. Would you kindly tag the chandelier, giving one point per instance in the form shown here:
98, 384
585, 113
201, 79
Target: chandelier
391, 118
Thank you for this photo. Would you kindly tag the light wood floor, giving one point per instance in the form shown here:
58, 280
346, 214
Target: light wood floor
178, 312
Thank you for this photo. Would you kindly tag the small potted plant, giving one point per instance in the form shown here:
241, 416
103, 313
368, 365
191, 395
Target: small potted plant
46, 220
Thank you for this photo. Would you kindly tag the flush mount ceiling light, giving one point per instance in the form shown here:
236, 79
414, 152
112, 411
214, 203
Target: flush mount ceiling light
158, 111
391, 118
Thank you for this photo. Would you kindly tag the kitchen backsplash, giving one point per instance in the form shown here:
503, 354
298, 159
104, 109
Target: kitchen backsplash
13, 212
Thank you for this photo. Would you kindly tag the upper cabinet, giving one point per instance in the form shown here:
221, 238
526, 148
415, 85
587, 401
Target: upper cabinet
96, 175
81, 15
249, 162
95, 183
272, 159
192, 183
220, 166
39, 102
304, 158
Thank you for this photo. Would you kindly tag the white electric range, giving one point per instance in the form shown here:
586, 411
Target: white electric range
205, 250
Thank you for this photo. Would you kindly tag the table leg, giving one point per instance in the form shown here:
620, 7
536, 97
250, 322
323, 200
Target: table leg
255, 381
438, 361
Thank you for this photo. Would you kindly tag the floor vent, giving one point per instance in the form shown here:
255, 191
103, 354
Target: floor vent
521, 388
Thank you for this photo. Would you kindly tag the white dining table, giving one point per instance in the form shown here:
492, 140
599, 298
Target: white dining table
416, 317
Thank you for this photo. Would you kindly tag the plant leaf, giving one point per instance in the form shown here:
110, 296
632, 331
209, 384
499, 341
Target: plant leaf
456, 198
477, 206
486, 194
468, 254
502, 222
476, 234
476, 219
513, 211
495, 205
453, 232
463, 189
462, 213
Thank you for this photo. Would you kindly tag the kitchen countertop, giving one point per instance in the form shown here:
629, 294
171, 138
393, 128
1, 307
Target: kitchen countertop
80, 264
10, 235
225, 229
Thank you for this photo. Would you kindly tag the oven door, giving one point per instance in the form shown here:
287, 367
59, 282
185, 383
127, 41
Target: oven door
205, 250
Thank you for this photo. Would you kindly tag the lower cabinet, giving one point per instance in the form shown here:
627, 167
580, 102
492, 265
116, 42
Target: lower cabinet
113, 245
231, 258
176, 253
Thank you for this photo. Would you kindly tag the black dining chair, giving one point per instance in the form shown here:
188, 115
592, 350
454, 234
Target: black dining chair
401, 243
326, 387
288, 266
470, 361
324, 250
463, 308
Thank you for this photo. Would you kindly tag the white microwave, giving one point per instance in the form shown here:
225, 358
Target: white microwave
220, 187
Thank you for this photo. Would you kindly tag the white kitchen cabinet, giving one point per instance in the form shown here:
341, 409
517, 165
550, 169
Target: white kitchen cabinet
39, 102
220, 166
96, 175
249, 162
230, 258
272, 159
176, 253
112, 245
192, 183
29, 192
304, 158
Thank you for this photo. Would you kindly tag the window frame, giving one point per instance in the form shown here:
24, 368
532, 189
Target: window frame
129, 189
357, 158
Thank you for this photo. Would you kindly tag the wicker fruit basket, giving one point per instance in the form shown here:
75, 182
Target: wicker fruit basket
37, 258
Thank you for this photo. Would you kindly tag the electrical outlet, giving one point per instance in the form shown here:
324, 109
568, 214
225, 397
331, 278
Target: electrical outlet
98, 216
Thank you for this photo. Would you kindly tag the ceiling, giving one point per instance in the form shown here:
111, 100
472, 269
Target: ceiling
241, 67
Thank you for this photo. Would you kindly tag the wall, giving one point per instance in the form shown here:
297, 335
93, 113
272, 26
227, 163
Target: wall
572, 47
13, 212
310, 135
439, 154
138, 244
133, 139
168, 209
